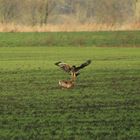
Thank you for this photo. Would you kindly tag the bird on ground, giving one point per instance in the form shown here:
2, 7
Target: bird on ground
73, 70
66, 83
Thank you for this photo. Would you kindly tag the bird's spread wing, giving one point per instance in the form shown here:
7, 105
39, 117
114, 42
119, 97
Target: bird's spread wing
83, 65
64, 66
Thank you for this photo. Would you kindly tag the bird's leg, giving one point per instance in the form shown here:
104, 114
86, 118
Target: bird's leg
73, 76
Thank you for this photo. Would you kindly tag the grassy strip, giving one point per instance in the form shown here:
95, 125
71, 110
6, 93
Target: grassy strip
101, 39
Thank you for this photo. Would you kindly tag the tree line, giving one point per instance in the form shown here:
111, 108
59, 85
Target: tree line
40, 12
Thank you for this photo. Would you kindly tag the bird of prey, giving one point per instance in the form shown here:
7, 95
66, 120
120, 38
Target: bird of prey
73, 70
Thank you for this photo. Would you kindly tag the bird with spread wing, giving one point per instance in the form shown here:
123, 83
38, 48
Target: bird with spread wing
73, 70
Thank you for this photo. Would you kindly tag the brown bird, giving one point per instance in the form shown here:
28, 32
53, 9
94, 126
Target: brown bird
66, 83
73, 70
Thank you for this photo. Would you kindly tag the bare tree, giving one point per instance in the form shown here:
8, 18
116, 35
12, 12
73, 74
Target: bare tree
40, 12
137, 10
9, 10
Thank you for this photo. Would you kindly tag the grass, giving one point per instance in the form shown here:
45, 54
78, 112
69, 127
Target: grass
104, 104
82, 39
69, 27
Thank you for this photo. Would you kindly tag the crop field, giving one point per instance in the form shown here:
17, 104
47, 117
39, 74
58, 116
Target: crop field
104, 104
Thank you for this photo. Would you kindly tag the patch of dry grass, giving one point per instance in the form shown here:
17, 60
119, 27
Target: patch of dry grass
68, 27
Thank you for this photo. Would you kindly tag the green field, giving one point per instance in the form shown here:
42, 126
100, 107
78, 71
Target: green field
104, 105
82, 39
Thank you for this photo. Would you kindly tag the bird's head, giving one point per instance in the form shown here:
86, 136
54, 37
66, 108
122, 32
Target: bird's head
73, 68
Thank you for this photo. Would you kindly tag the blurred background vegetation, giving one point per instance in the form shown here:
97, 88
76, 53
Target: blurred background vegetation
39, 12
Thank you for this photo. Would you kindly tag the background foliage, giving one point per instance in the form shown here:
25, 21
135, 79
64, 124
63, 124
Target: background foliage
40, 12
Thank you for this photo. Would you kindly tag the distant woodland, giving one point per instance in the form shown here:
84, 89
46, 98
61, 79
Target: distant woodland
42, 12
